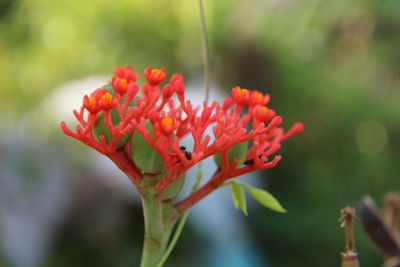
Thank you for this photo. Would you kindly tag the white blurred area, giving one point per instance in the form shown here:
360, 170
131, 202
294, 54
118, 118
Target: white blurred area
69, 96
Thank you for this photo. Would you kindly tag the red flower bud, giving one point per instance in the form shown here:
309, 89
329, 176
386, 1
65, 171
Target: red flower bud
227, 103
176, 76
167, 90
179, 86
127, 73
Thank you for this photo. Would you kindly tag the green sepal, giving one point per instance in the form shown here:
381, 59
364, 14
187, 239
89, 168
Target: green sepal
144, 156
238, 151
174, 189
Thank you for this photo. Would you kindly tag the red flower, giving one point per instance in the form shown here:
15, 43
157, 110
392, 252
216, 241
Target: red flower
161, 122
257, 98
154, 76
263, 114
127, 73
241, 96
123, 77
100, 99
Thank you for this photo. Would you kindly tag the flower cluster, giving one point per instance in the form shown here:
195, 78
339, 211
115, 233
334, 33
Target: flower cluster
141, 128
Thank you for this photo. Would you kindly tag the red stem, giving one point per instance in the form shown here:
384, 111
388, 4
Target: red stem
124, 163
216, 181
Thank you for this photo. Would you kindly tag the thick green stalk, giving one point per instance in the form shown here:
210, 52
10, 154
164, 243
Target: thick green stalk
183, 219
154, 239
159, 220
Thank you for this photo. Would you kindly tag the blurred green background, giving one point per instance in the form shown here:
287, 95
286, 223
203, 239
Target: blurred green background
334, 65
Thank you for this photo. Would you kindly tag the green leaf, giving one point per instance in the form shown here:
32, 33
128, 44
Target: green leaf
264, 198
238, 197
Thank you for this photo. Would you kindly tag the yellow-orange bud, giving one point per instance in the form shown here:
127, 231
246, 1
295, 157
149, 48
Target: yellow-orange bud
167, 125
241, 96
106, 98
167, 122
92, 101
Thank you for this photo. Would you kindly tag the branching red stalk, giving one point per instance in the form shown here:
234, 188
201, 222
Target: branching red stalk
215, 182
120, 159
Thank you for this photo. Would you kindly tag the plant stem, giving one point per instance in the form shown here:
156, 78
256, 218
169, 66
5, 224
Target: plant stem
347, 216
198, 195
159, 220
174, 239
154, 240
183, 219
124, 163
349, 257
206, 52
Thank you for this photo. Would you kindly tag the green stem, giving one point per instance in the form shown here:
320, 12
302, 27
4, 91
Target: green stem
154, 239
183, 219
159, 220
206, 58
174, 239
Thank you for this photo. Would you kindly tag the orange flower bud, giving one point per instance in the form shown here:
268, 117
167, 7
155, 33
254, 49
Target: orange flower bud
119, 85
106, 98
257, 98
167, 125
263, 113
241, 96
154, 76
127, 73
92, 101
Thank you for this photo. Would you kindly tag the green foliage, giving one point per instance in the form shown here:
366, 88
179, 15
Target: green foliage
262, 197
238, 197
